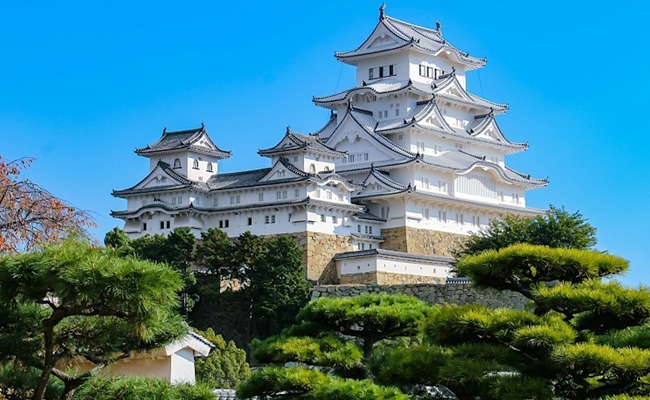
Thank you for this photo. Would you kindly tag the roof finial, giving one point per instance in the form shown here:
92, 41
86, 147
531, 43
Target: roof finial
164, 130
438, 25
202, 125
288, 130
349, 103
382, 14
453, 70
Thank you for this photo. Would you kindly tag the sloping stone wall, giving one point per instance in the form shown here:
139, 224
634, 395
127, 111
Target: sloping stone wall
319, 248
420, 241
450, 293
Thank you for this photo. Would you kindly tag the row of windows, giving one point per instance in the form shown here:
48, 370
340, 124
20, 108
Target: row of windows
367, 229
362, 246
459, 217
163, 225
355, 158
380, 72
195, 165
430, 72
335, 219
421, 147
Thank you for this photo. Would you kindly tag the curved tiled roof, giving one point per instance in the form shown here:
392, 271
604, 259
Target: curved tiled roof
427, 40
176, 141
392, 253
181, 183
386, 86
296, 141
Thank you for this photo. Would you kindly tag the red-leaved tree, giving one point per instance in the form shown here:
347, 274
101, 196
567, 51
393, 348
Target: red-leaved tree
30, 214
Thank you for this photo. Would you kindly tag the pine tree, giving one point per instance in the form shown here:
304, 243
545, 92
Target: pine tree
73, 300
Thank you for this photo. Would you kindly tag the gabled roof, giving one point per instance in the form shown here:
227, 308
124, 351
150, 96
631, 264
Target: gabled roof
460, 162
293, 142
437, 89
178, 182
365, 120
394, 254
406, 35
326, 131
196, 140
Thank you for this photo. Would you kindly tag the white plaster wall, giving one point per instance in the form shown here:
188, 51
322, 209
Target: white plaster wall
400, 60
182, 367
379, 263
444, 64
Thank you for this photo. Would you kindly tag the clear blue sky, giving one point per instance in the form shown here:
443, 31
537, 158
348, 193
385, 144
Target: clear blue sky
83, 83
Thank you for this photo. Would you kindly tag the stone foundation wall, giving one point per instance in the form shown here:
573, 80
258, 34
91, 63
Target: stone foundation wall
420, 241
450, 293
319, 248
386, 278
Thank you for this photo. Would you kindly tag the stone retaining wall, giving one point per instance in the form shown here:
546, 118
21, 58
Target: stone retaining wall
319, 248
386, 278
420, 241
450, 293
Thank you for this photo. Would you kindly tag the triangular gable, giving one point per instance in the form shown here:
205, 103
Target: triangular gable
160, 176
432, 117
205, 142
487, 128
453, 88
377, 183
352, 137
281, 171
381, 37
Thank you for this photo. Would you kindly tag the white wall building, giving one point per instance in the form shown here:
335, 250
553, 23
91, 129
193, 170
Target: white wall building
409, 161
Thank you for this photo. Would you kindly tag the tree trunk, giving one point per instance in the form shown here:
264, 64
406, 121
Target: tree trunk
368, 344
70, 387
48, 365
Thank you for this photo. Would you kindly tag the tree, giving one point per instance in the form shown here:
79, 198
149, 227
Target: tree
277, 286
583, 338
179, 253
29, 214
214, 254
225, 367
555, 228
74, 301
337, 337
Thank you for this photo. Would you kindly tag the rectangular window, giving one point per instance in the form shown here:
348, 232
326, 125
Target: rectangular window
162, 224
381, 72
227, 223
173, 201
385, 211
459, 145
363, 246
261, 196
273, 219
371, 73
250, 221
370, 230
442, 216
501, 197
515, 198
391, 70
284, 194
397, 112
335, 219
425, 213
215, 201
144, 226
329, 195
278, 194
295, 159
296, 193
167, 224
442, 186
400, 137
425, 183
476, 220
267, 219
323, 218
220, 224
421, 147
358, 228
366, 229
232, 199
429, 72
423, 70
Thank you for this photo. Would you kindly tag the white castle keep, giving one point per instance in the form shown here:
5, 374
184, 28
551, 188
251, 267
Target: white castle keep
408, 163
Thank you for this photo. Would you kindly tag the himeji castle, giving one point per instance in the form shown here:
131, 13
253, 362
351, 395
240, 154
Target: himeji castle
407, 165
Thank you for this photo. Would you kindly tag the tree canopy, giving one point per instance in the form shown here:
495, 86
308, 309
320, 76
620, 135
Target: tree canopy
556, 228
73, 301
29, 214
225, 367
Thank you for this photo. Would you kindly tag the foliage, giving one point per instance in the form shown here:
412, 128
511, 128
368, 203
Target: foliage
29, 214
522, 267
225, 367
17, 382
277, 286
74, 300
557, 228
336, 336
303, 383
141, 389
268, 272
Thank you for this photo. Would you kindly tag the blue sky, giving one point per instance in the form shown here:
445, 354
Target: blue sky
82, 84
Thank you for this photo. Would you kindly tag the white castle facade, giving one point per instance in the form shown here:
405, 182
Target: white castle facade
408, 163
